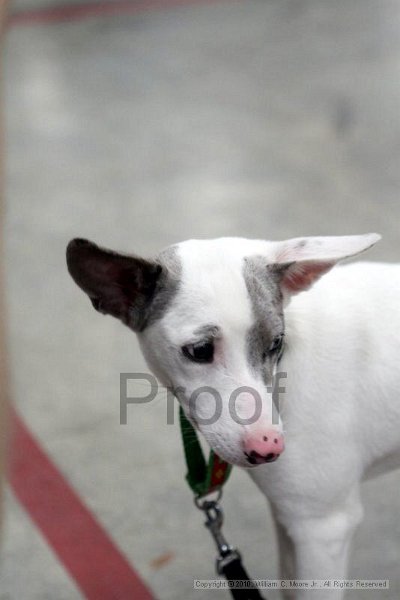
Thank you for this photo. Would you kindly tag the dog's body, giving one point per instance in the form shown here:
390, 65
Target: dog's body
214, 313
341, 415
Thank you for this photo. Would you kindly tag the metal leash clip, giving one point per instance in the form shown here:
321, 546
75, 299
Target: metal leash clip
214, 522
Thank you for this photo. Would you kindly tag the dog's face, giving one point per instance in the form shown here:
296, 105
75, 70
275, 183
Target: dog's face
209, 315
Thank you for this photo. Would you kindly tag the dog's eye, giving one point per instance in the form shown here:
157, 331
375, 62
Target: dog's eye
277, 343
275, 347
202, 352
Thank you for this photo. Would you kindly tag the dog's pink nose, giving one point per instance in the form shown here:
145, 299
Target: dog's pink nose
262, 447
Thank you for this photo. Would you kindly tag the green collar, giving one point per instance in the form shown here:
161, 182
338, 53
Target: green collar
202, 477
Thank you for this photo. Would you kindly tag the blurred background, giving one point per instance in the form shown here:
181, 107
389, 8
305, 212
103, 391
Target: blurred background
139, 124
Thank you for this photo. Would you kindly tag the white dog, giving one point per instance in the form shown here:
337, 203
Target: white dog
227, 314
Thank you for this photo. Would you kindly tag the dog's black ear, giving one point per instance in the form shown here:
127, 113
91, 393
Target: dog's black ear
117, 284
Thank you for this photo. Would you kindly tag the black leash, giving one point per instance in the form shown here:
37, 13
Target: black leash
229, 561
205, 478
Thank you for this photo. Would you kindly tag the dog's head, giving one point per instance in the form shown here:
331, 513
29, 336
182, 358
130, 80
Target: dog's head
209, 315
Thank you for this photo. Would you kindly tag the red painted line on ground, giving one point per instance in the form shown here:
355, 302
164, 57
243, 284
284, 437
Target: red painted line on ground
74, 12
99, 569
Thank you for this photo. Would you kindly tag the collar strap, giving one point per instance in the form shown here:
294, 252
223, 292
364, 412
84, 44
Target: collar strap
202, 477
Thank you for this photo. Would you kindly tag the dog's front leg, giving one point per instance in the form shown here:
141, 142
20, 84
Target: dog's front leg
321, 546
286, 558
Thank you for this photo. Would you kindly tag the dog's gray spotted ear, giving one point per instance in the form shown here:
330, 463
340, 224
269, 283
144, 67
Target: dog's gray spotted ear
300, 262
117, 284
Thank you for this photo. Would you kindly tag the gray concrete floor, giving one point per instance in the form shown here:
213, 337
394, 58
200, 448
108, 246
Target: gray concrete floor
260, 119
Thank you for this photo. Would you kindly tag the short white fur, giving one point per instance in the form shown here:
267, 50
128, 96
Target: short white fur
340, 412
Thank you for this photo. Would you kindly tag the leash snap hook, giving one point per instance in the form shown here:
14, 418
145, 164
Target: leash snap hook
214, 522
